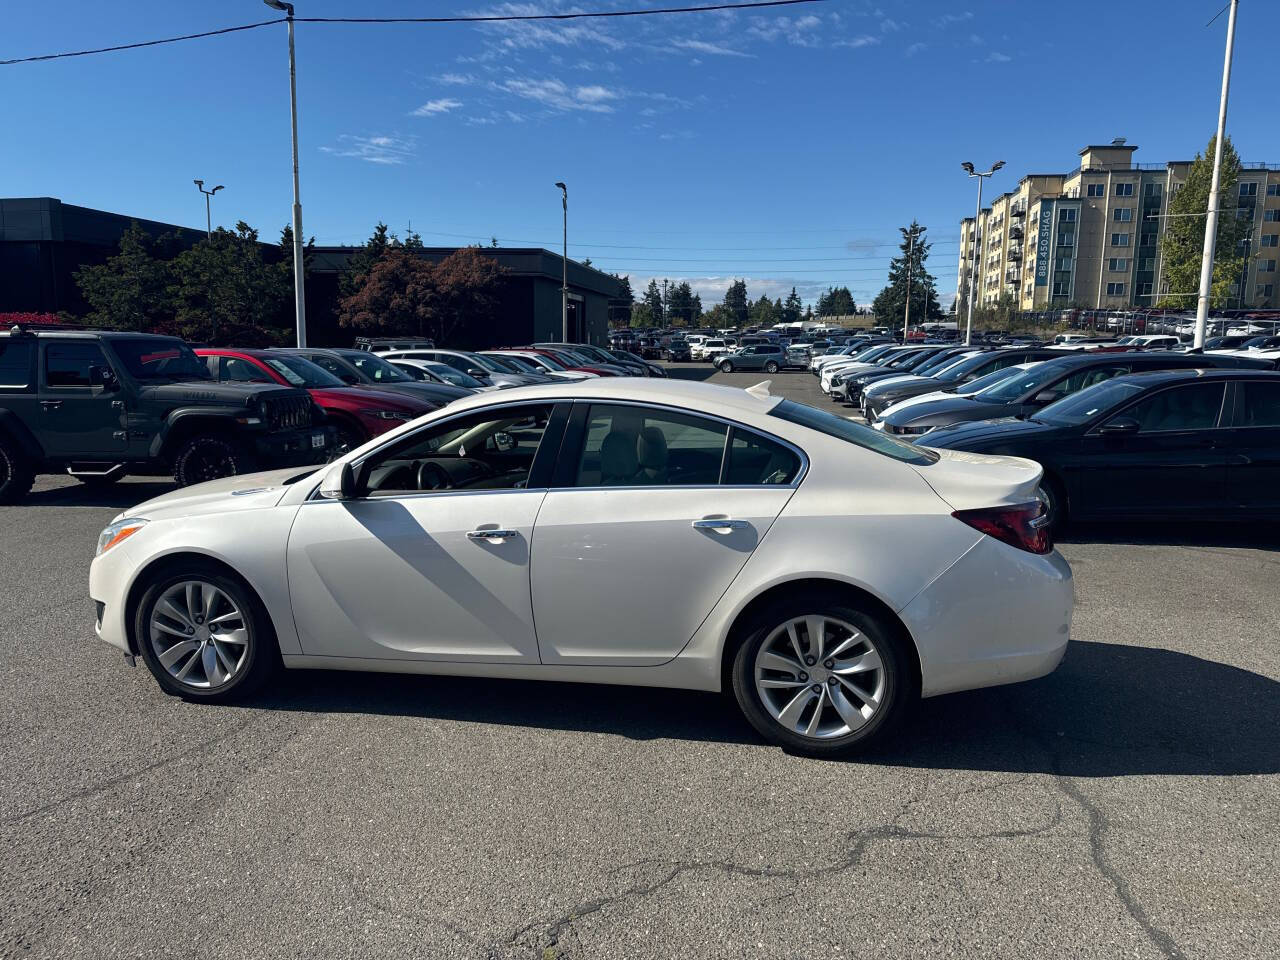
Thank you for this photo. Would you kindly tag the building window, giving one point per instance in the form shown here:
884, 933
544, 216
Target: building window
1064, 263
1067, 216
1119, 239
1263, 291
1149, 239
1060, 289
1273, 189
1266, 266
1123, 214
1118, 263
1124, 189
1147, 263
1249, 189
1066, 239
1152, 189
1271, 216
1096, 190
1244, 213
1115, 289
1270, 239
1144, 289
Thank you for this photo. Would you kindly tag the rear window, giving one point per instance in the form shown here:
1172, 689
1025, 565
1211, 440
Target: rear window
15, 362
850, 432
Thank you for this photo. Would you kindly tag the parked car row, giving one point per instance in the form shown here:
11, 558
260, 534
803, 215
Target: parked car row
99, 405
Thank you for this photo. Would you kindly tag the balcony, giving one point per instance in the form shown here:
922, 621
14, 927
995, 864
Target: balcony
1015, 253
1019, 209
1015, 232
1012, 275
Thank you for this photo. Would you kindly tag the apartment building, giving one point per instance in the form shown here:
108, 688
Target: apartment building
1091, 237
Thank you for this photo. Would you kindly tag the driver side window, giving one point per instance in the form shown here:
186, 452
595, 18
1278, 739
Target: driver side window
493, 450
628, 446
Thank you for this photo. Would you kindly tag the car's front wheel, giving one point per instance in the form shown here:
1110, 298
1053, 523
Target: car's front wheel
726, 366
204, 458
821, 678
204, 635
771, 367
16, 474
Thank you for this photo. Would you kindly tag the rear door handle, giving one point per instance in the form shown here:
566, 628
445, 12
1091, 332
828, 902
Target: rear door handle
492, 534
719, 523
51, 404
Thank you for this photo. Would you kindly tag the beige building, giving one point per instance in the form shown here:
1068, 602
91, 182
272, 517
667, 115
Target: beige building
1091, 237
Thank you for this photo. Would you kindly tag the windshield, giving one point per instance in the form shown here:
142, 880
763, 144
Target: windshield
1031, 381
301, 372
519, 363
159, 360
919, 359
992, 378
937, 362
375, 368
449, 375
855, 433
875, 353
542, 362
1088, 403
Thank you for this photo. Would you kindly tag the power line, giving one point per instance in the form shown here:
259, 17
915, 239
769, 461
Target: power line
508, 18
894, 244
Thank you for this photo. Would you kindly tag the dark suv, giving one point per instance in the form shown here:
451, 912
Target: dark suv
99, 405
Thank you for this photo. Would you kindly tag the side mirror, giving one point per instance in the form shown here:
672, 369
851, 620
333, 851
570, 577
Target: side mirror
339, 483
1045, 397
1119, 427
100, 376
476, 372
504, 441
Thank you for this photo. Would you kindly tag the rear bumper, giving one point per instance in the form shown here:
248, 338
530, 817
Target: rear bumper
997, 615
293, 448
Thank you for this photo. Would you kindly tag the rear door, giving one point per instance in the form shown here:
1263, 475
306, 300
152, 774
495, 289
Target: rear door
1252, 446
1176, 463
648, 521
79, 417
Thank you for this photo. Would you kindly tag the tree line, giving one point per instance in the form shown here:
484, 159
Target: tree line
677, 305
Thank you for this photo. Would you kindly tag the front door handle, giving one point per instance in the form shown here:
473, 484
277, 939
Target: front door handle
491, 535
719, 523
51, 404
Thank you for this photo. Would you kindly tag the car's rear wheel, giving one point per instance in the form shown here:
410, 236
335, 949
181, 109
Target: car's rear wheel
347, 436
16, 473
771, 367
204, 458
821, 678
1055, 502
204, 635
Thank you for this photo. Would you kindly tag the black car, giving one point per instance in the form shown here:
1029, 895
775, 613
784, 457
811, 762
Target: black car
362, 368
99, 405
924, 363
676, 351
879, 397
1163, 443
1044, 384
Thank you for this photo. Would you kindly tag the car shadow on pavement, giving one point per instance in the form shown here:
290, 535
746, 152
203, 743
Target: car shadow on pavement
691, 372
1109, 710
81, 495
1258, 535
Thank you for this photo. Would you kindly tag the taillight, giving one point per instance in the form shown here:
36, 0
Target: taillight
1023, 525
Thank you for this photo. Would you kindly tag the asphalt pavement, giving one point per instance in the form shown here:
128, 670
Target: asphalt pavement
1126, 805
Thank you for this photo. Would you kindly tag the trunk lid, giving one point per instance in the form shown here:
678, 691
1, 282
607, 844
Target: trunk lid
968, 481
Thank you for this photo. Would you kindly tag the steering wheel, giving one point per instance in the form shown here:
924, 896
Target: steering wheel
432, 476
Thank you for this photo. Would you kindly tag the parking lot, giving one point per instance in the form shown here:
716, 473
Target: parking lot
1128, 804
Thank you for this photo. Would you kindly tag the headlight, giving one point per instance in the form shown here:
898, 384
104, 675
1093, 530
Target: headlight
117, 531
388, 415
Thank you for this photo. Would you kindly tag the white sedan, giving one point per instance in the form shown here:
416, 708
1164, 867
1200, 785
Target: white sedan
634, 531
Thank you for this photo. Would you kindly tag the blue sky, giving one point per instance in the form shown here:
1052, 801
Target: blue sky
784, 146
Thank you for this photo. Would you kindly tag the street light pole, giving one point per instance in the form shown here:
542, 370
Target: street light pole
564, 266
208, 217
1211, 221
299, 275
973, 268
911, 250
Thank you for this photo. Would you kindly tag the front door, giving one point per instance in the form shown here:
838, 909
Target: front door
79, 418
1175, 463
646, 526
432, 563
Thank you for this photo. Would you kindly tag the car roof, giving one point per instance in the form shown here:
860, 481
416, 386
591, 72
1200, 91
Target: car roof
90, 334
1148, 377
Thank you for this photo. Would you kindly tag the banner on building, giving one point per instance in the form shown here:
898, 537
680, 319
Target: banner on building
1043, 243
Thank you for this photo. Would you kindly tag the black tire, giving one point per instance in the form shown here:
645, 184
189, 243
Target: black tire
898, 693
347, 436
1055, 503
204, 457
262, 659
771, 367
16, 473
725, 366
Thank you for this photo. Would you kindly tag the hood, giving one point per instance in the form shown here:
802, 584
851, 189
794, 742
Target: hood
212, 392
397, 397
947, 410
249, 491
968, 481
1004, 431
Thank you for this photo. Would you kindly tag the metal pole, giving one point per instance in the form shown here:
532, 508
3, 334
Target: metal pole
973, 270
564, 268
1211, 221
911, 247
208, 218
299, 274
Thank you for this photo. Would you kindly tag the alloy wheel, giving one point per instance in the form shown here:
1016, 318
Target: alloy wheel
819, 677
211, 461
199, 634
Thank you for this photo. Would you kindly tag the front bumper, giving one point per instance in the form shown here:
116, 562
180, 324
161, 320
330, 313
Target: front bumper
294, 448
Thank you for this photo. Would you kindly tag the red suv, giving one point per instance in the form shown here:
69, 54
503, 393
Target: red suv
357, 413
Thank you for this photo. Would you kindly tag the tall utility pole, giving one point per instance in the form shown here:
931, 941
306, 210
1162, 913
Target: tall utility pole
208, 217
977, 216
1211, 220
299, 274
564, 266
911, 260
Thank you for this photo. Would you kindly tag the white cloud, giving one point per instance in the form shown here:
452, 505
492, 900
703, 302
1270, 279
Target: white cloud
889, 25
454, 79
916, 48
433, 107
383, 150
949, 18
864, 40
556, 94
712, 49
594, 94
995, 56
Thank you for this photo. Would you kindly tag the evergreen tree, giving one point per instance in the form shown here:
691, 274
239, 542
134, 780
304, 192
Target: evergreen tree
363, 259
683, 306
765, 312
653, 300
836, 302
890, 304
131, 290
1182, 245
790, 310
735, 301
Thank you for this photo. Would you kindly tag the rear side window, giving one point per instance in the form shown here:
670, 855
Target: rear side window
1192, 407
15, 363
68, 364
850, 432
1260, 404
755, 460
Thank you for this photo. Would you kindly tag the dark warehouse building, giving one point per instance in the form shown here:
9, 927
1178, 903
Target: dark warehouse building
43, 241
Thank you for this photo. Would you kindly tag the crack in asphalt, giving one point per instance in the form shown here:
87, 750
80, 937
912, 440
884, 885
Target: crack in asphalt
856, 841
